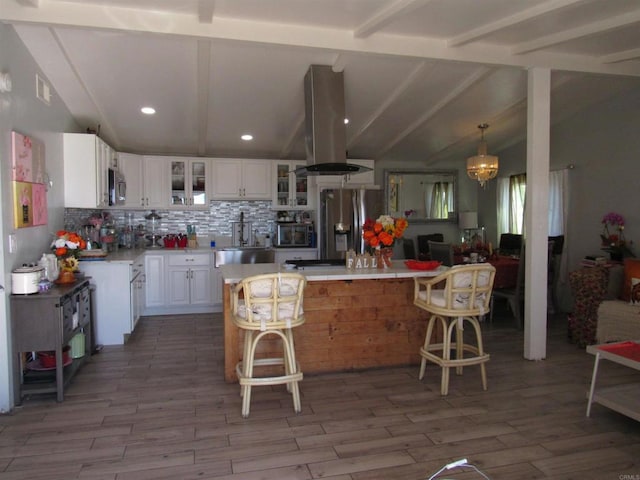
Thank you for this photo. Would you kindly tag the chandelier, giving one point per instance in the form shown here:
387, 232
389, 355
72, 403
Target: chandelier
482, 167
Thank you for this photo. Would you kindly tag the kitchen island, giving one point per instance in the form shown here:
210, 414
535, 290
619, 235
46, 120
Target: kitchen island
355, 319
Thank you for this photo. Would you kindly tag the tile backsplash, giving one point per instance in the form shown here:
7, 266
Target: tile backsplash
217, 221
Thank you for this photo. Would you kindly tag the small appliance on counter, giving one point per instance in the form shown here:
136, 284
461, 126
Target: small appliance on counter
25, 279
294, 235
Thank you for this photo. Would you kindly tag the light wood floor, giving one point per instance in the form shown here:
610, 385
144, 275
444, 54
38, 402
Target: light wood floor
158, 408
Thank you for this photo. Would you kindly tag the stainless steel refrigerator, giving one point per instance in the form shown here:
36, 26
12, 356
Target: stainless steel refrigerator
342, 215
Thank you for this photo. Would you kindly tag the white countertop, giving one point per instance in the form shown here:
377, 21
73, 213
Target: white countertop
126, 255
235, 273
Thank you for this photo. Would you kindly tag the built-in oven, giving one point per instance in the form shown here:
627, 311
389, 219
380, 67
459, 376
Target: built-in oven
294, 235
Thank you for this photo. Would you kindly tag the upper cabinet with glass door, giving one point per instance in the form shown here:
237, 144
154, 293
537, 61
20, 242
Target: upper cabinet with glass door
189, 182
290, 192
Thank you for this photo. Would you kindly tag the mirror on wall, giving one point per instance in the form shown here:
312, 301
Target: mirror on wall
421, 195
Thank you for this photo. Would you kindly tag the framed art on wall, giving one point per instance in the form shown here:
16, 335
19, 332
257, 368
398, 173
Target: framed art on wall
28, 175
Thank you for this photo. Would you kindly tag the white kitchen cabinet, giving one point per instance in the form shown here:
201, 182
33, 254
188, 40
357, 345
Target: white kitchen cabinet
131, 168
241, 179
156, 187
189, 178
284, 254
155, 292
289, 191
365, 179
189, 279
86, 161
147, 183
113, 323
217, 284
138, 279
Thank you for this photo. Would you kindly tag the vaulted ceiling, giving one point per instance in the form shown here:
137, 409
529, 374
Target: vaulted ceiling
420, 75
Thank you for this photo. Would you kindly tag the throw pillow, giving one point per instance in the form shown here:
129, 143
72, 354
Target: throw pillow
631, 270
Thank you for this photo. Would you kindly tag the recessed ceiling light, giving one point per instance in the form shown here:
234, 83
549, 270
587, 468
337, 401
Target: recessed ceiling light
246, 137
148, 110
346, 120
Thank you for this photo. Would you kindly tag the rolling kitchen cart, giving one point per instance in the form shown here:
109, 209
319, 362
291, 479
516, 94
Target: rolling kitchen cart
621, 398
47, 321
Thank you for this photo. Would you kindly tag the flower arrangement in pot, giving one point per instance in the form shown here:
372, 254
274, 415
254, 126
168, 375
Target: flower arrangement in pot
612, 237
382, 234
66, 247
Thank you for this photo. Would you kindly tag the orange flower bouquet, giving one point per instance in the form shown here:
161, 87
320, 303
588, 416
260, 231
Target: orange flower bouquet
384, 231
67, 246
382, 234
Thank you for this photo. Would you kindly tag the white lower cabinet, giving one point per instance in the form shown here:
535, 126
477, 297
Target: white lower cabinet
137, 290
154, 292
189, 282
115, 300
217, 288
178, 282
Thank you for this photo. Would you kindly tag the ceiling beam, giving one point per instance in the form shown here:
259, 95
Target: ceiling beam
479, 74
204, 69
29, 3
387, 15
102, 119
623, 56
510, 21
94, 16
417, 72
205, 11
294, 134
589, 29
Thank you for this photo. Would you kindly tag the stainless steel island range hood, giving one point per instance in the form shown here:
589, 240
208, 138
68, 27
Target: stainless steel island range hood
325, 135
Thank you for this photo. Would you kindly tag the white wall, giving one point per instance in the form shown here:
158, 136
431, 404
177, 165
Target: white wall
604, 146
21, 111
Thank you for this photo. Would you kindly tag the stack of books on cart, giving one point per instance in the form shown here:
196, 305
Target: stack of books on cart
593, 261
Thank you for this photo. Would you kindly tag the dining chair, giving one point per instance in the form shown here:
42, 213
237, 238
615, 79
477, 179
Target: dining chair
423, 244
460, 294
266, 306
409, 248
555, 260
510, 244
441, 252
513, 295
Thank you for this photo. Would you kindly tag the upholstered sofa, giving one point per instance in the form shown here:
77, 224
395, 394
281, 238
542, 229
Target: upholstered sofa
606, 303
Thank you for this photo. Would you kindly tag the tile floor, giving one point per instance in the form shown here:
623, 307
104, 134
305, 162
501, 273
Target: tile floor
158, 408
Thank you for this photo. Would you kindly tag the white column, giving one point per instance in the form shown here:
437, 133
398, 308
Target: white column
536, 213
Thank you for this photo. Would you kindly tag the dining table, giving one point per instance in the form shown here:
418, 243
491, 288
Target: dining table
506, 269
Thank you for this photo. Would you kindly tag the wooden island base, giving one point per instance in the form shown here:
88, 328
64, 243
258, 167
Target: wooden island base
350, 325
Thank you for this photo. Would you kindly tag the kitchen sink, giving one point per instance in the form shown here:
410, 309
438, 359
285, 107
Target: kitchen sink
227, 255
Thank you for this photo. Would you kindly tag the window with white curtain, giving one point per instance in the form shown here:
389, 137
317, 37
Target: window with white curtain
510, 203
438, 199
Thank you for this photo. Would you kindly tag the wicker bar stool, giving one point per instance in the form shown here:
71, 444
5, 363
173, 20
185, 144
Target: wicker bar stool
465, 297
268, 305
